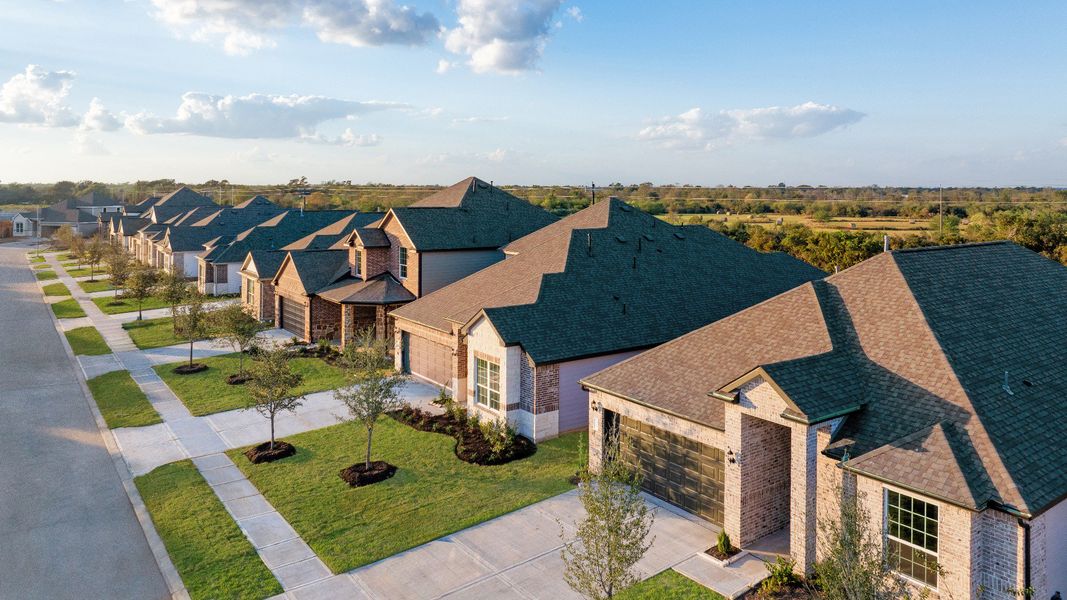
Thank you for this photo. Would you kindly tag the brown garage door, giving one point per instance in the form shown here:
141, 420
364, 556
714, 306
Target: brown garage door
430, 360
677, 469
293, 316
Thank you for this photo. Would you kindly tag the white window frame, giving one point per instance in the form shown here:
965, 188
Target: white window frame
915, 547
403, 260
359, 262
250, 292
483, 391
19, 227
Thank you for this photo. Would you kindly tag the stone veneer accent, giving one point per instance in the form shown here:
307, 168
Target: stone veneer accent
325, 321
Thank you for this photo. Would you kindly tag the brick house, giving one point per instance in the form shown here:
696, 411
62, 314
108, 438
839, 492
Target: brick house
929, 381
577, 296
411, 251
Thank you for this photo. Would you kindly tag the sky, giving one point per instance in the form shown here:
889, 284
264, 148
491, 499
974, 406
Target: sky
535, 91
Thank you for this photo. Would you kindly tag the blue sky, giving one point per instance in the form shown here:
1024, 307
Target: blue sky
535, 91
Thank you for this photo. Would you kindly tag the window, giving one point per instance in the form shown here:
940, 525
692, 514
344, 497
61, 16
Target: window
359, 262
221, 274
403, 262
250, 292
18, 227
911, 537
487, 389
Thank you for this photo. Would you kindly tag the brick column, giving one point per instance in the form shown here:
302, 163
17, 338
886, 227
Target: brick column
347, 324
803, 526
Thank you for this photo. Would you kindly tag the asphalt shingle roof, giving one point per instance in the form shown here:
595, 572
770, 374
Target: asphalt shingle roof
382, 289
924, 341
330, 235
275, 233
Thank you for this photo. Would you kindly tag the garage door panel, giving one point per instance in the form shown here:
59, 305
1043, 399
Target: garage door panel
677, 469
430, 360
292, 316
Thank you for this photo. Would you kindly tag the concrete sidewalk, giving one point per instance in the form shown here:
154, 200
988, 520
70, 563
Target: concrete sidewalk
67, 524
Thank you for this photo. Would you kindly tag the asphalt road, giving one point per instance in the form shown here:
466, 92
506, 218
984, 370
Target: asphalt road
67, 529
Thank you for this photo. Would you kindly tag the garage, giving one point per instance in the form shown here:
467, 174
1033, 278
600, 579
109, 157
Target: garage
677, 469
292, 316
429, 360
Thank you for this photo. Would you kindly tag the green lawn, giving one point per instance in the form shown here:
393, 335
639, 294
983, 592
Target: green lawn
87, 341
122, 403
669, 585
85, 272
432, 494
41, 266
213, 557
100, 285
56, 289
207, 392
152, 333
35, 258
68, 309
45, 275
114, 306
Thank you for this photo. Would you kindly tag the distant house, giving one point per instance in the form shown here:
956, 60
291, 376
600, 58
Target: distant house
81, 214
593, 289
930, 383
16, 224
410, 252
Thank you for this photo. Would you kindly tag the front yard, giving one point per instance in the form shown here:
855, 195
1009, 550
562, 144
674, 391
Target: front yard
121, 401
68, 309
432, 494
213, 557
207, 392
115, 305
87, 341
85, 271
152, 333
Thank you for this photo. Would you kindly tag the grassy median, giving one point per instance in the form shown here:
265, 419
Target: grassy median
87, 341
45, 275
100, 285
68, 309
213, 557
114, 306
121, 401
56, 289
152, 333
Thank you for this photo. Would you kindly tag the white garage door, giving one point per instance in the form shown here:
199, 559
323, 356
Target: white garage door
430, 360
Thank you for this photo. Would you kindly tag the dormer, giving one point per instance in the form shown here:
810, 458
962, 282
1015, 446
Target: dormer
368, 254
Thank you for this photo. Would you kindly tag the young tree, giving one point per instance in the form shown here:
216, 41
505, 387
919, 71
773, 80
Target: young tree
139, 285
614, 534
270, 390
854, 566
77, 246
94, 253
118, 266
172, 288
64, 235
374, 387
191, 319
237, 327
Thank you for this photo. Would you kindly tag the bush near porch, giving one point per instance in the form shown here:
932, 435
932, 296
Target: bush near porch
213, 557
207, 392
432, 494
121, 401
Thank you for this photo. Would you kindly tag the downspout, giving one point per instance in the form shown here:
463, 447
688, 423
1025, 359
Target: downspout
1027, 592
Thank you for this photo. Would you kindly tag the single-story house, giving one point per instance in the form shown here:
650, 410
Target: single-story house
931, 384
17, 224
408, 253
573, 298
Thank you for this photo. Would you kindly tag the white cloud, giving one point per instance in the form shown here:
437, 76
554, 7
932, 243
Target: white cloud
99, 118
38, 97
462, 120
87, 145
244, 26
695, 129
348, 139
576, 13
444, 66
500, 155
503, 36
369, 22
253, 116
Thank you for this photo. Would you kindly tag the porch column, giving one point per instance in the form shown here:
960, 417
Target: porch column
380, 324
803, 518
348, 316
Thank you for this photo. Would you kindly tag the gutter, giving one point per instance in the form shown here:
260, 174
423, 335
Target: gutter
1028, 592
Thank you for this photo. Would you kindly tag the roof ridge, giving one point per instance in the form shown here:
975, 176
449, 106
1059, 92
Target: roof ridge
952, 247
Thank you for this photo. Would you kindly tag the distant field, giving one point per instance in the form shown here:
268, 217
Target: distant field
894, 225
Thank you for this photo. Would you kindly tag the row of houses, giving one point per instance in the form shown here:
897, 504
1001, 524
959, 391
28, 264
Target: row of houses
748, 388
81, 214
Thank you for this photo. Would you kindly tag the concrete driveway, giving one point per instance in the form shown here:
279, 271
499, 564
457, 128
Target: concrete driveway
67, 529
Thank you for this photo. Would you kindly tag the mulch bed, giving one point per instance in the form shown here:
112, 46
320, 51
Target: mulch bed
263, 453
714, 551
237, 379
190, 369
329, 355
794, 591
471, 445
359, 475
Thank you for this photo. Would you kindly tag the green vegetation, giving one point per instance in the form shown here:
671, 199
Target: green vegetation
56, 289
207, 392
42, 266
67, 309
35, 258
213, 557
100, 285
83, 272
432, 494
668, 585
87, 341
122, 403
45, 275
152, 333
114, 306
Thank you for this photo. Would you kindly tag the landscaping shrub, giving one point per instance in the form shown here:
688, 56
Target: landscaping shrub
472, 444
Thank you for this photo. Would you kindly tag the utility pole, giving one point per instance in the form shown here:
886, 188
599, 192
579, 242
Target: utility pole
941, 210
592, 185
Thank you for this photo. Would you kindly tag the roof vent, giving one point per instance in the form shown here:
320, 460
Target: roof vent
1028, 383
621, 239
1007, 388
679, 235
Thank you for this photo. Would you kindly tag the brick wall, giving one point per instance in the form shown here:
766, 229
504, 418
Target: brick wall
325, 320
1001, 557
765, 486
265, 296
398, 238
546, 388
526, 386
375, 261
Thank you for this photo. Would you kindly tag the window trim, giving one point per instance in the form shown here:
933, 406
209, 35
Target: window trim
886, 537
402, 259
478, 386
359, 262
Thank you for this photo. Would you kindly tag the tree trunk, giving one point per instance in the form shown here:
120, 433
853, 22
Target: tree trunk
241, 363
139, 304
370, 434
190, 351
272, 431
